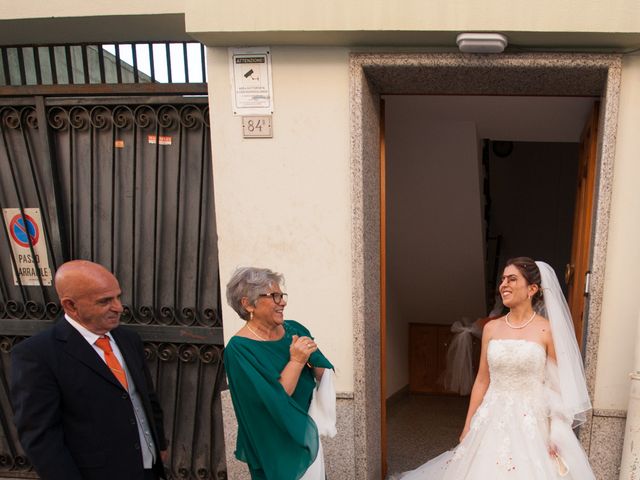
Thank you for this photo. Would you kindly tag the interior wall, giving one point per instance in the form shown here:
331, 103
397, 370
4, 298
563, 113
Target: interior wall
532, 201
435, 247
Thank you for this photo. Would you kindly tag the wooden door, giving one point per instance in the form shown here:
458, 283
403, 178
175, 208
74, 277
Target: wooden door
577, 269
428, 345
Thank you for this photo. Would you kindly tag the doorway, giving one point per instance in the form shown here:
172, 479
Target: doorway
477, 180
453, 74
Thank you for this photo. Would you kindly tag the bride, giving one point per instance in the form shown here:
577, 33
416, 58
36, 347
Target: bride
529, 393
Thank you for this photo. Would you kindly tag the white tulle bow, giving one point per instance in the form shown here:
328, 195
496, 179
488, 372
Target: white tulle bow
459, 375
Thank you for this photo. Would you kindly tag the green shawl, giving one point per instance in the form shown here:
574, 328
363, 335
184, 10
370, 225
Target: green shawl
276, 437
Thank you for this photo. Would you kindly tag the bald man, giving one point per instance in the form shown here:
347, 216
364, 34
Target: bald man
82, 395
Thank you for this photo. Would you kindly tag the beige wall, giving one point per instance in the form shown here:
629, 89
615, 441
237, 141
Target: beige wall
70, 21
410, 22
284, 202
433, 23
545, 15
621, 300
73, 8
619, 16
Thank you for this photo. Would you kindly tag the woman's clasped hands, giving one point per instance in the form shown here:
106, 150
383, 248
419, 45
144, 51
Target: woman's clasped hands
301, 348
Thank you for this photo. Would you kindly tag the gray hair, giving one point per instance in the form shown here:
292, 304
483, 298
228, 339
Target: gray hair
250, 282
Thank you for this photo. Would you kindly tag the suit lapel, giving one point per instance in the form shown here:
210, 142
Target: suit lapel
76, 346
130, 358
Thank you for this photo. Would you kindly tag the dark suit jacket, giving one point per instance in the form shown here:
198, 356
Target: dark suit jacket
75, 421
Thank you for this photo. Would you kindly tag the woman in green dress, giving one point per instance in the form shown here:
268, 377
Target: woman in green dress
273, 366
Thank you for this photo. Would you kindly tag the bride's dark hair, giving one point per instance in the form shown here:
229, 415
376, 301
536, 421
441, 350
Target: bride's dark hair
531, 274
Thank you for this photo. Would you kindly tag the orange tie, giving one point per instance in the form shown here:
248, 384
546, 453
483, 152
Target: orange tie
112, 361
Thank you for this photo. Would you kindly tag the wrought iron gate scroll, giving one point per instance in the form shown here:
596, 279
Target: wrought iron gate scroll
125, 182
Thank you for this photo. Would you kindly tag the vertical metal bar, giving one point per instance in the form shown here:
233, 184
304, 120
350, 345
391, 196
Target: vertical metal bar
218, 379
41, 205
5, 65
4, 291
67, 53
92, 227
168, 50
72, 201
134, 274
85, 64
36, 60
200, 215
54, 204
23, 72
218, 320
176, 263
118, 64
196, 411
113, 193
101, 64
177, 409
151, 62
134, 53
186, 62
156, 219
203, 61
54, 67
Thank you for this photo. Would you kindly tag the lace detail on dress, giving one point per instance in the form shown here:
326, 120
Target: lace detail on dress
516, 369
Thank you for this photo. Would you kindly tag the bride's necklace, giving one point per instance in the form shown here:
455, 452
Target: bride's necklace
517, 327
255, 333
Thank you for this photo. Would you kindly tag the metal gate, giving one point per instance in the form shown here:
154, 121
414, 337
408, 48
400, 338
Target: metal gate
125, 182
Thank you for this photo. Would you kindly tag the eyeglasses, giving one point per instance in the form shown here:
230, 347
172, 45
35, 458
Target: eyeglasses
276, 296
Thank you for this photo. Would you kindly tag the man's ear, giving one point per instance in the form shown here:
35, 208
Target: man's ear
69, 306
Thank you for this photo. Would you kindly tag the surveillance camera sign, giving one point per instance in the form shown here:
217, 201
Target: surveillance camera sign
28, 246
250, 70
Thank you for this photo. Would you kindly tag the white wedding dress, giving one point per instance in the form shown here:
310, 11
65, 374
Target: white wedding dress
509, 433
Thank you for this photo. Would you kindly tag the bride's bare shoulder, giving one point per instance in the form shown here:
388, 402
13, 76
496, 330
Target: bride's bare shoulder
491, 326
542, 323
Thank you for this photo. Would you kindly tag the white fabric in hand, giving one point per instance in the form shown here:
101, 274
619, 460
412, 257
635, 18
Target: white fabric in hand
323, 405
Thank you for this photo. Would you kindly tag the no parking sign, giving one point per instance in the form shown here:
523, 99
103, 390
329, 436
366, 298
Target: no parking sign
25, 232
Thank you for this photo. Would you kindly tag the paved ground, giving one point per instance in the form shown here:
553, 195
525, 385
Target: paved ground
420, 427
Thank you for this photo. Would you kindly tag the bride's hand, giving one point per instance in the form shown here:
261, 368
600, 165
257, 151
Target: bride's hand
465, 430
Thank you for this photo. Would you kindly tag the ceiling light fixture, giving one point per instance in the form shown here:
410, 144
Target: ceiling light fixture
481, 42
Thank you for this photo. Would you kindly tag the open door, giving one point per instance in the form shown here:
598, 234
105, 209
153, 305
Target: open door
578, 269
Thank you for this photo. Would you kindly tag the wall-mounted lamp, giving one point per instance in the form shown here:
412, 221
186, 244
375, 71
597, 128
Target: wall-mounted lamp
481, 42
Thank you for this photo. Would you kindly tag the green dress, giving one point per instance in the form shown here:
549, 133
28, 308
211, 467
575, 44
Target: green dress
276, 436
